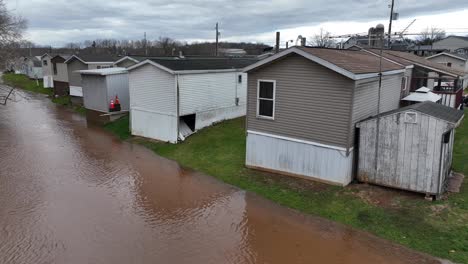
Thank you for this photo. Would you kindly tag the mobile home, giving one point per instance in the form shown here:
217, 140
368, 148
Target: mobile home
172, 98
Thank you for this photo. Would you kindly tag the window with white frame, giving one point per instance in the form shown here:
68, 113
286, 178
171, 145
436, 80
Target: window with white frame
239, 78
266, 99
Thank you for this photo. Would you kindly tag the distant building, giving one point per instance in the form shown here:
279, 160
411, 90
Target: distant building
451, 43
457, 61
80, 62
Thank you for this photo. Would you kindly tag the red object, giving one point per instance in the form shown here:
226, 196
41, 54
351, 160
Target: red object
111, 105
117, 102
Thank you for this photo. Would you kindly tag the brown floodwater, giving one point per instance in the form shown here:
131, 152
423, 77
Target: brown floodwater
72, 193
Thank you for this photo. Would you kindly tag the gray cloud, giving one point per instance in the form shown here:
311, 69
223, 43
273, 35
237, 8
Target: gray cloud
76, 20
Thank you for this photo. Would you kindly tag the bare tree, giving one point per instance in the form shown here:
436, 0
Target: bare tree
430, 35
322, 39
11, 30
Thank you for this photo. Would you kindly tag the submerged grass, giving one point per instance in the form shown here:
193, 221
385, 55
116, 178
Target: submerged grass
22, 81
438, 228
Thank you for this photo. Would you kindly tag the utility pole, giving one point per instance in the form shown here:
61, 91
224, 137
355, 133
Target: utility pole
217, 36
390, 23
146, 45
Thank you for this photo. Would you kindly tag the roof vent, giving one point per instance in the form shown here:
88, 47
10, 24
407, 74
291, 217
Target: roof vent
411, 117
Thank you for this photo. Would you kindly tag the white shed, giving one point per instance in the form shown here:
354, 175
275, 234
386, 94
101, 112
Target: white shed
172, 98
100, 86
409, 148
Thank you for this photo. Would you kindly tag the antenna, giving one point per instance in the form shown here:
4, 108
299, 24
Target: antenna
217, 35
146, 45
390, 23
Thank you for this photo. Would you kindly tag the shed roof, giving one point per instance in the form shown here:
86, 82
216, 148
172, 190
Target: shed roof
439, 111
104, 72
354, 64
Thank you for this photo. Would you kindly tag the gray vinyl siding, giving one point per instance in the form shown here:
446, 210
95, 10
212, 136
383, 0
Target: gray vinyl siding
74, 78
62, 73
366, 98
450, 43
312, 102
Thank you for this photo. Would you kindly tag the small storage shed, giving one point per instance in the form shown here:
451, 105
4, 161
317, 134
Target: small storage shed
409, 148
100, 86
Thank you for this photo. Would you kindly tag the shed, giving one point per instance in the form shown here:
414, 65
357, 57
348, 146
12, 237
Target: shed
171, 98
100, 86
409, 148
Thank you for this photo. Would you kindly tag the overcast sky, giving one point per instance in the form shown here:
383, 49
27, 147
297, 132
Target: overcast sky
56, 22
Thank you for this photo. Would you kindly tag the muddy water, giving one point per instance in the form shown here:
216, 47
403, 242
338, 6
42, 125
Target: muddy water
74, 194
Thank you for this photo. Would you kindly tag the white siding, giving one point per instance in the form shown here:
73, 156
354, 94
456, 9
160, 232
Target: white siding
207, 91
152, 89
297, 158
153, 108
153, 125
207, 118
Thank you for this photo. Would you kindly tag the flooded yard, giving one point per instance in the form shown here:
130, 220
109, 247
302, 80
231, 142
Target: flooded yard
72, 193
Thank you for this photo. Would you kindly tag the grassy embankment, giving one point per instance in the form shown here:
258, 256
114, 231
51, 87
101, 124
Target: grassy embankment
21, 81
439, 228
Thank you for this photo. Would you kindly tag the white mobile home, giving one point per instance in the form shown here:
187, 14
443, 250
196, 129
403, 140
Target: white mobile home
172, 98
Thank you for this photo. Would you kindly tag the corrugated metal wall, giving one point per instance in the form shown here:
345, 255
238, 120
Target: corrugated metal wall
117, 84
95, 93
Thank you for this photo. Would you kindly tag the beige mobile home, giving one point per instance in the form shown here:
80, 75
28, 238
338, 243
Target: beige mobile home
303, 104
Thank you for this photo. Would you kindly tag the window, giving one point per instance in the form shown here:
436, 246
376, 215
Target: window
55, 68
449, 64
266, 99
44, 62
239, 78
98, 67
404, 83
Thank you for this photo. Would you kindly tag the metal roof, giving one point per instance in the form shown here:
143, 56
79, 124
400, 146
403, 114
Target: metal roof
207, 63
422, 94
439, 111
103, 72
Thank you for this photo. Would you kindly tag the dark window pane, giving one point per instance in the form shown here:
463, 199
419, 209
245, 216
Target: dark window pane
265, 108
266, 90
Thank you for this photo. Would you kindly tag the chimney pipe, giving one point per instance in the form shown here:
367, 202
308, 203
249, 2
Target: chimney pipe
303, 42
277, 41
